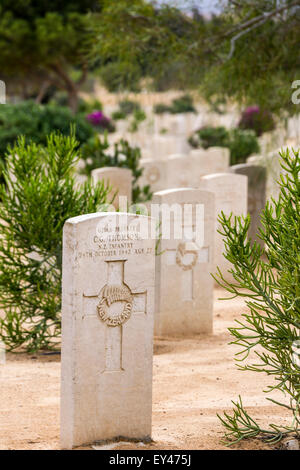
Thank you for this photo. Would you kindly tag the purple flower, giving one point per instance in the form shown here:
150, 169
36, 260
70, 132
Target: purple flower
97, 119
257, 119
251, 110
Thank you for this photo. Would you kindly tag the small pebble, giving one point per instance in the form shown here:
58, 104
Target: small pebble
292, 444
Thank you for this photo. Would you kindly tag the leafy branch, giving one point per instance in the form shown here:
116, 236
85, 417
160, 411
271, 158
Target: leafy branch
269, 279
39, 194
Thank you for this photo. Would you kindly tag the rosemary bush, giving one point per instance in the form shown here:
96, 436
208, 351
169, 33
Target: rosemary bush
39, 194
272, 325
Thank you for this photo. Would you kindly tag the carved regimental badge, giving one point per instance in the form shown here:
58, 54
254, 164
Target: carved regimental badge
111, 294
191, 259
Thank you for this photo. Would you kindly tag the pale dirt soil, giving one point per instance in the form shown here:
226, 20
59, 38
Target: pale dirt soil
194, 378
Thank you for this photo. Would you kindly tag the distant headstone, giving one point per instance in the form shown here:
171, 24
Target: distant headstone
119, 179
184, 286
230, 192
183, 170
256, 194
163, 145
271, 161
154, 174
107, 328
181, 124
180, 171
211, 160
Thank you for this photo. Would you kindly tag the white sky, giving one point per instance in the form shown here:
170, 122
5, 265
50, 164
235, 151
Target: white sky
204, 6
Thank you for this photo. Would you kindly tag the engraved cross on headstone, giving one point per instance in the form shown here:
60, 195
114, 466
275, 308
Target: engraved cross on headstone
186, 256
114, 304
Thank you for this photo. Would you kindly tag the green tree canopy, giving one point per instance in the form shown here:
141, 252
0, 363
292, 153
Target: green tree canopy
257, 54
247, 53
42, 41
153, 39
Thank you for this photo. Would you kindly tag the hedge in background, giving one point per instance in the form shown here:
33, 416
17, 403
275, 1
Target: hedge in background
36, 122
183, 104
241, 143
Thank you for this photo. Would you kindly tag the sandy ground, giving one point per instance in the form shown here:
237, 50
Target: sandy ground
194, 378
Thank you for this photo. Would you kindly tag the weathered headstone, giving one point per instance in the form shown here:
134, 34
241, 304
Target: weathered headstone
230, 192
107, 328
184, 286
179, 171
163, 145
181, 124
154, 174
182, 170
211, 160
271, 162
119, 179
256, 194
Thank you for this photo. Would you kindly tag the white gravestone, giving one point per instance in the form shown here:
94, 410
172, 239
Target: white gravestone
256, 175
180, 171
184, 171
154, 174
119, 179
230, 192
211, 160
163, 145
107, 328
271, 162
184, 286
181, 124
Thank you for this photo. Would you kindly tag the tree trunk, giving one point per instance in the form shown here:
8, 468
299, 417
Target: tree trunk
73, 99
67, 84
42, 92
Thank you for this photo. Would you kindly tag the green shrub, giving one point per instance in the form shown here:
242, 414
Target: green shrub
241, 143
183, 104
127, 108
60, 98
96, 155
86, 107
138, 117
38, 196
117, 115
210, 137
161, 108
269, 280
36, 122
120, 77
